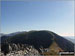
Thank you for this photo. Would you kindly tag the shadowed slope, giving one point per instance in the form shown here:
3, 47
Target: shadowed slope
40, 39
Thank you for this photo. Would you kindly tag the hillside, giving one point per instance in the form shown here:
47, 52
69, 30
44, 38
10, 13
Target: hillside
70, 38
39, 40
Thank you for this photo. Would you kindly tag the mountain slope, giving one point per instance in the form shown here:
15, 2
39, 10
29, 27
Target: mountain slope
70, 38
39, 39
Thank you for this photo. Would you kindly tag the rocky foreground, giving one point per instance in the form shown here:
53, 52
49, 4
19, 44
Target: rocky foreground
27, 52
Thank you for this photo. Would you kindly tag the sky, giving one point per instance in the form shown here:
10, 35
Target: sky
56, 16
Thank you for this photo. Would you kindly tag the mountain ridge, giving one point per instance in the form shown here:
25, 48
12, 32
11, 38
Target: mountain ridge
39, 39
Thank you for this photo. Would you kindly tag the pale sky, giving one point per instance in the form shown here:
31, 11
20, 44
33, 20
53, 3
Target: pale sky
56, 16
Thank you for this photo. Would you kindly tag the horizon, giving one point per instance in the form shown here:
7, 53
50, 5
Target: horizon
64, 35
56, 16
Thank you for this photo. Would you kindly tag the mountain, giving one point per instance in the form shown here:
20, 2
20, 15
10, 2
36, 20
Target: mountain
12, 34
5, 36
70, 38
1, 34
38, 39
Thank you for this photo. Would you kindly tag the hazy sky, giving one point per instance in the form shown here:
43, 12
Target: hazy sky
56, 16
